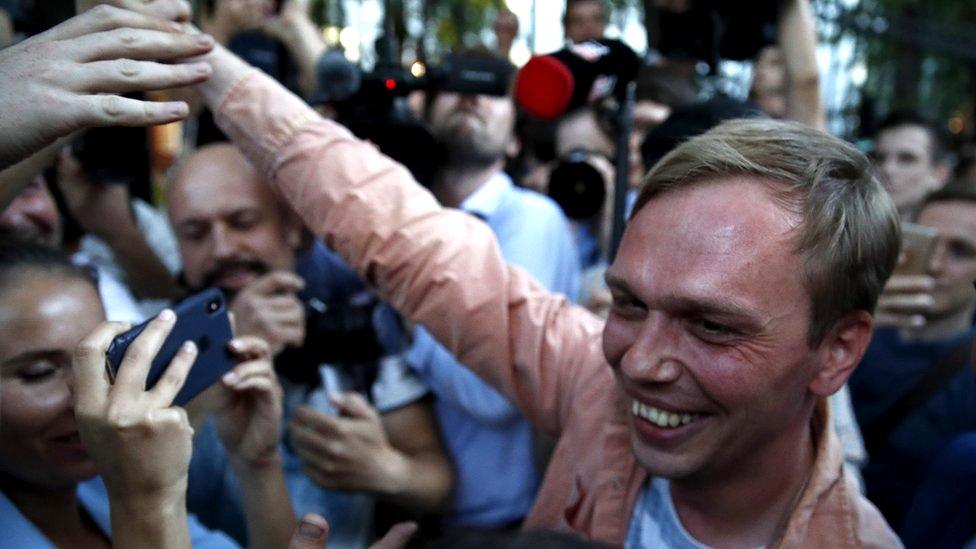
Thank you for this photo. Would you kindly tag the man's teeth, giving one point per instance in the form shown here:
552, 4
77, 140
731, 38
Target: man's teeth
662, 418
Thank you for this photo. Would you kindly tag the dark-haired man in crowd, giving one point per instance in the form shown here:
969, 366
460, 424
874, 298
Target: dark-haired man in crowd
344, 449
915, 389
910, 152
743, 291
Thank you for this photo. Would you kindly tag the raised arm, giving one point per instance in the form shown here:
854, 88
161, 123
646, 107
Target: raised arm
798, 40
441, 268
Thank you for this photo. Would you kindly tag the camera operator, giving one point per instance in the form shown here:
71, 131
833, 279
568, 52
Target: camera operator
344, 450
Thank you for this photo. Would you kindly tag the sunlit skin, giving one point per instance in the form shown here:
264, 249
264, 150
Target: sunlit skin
39, 443
953, 263
710, 316
903, 155
223, 213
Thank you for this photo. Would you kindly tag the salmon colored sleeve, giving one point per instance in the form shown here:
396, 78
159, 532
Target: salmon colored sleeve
439, 267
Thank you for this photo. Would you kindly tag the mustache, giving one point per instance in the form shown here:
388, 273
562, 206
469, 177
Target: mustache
225, 267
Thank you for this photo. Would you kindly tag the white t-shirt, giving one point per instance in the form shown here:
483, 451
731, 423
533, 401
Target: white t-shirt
655, 521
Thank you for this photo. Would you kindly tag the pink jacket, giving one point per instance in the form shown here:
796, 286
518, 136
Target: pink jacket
443, 268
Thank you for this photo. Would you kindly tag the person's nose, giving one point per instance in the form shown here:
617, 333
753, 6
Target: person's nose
223, 243
652, 358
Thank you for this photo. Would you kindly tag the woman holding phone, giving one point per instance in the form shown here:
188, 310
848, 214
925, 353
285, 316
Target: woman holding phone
62, 426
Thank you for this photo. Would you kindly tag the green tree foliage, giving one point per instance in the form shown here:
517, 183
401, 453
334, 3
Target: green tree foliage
920, 54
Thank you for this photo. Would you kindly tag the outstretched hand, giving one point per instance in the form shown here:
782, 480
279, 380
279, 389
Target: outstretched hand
71, 77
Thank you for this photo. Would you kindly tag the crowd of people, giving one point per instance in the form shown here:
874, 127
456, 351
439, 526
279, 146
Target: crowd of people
428, 348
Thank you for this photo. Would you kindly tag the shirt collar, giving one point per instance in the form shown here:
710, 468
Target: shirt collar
485, 201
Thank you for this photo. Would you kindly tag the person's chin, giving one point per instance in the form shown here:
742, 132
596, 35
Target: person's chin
672, 453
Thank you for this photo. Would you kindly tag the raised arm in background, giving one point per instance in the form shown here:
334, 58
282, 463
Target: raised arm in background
295, 29
798, 42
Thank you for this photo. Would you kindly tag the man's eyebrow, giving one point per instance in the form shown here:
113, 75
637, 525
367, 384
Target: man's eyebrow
616, 282
723, 306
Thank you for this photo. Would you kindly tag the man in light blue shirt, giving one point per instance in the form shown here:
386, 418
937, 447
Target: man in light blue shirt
488, 439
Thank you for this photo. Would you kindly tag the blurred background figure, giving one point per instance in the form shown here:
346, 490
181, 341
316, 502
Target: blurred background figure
506, 29
584, 20
911, 155
915, 389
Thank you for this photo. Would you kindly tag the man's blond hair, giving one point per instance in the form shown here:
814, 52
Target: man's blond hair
849, 236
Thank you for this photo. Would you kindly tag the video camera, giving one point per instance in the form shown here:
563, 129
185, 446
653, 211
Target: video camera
372, 105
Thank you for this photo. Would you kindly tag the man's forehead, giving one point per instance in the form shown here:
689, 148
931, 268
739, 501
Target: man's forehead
951, 217
210, 189
707, 236
905, 136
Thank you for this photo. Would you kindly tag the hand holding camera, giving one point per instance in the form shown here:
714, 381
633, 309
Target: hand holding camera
269, 308
907, 297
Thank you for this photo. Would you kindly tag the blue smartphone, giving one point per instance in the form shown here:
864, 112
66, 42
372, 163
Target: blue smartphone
201, 318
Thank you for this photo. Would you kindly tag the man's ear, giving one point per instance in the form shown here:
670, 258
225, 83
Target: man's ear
841, 351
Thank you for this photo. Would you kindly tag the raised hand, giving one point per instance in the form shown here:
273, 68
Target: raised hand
170, 10
248, 408
70, 77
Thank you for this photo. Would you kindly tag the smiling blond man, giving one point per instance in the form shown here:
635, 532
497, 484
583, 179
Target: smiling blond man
743, 294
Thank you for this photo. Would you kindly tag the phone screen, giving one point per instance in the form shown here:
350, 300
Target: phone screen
917, 247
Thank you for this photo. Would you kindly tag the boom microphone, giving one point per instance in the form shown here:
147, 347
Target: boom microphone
549, 86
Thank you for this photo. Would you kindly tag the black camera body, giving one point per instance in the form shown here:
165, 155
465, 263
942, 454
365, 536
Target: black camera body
343, 335
577, 186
